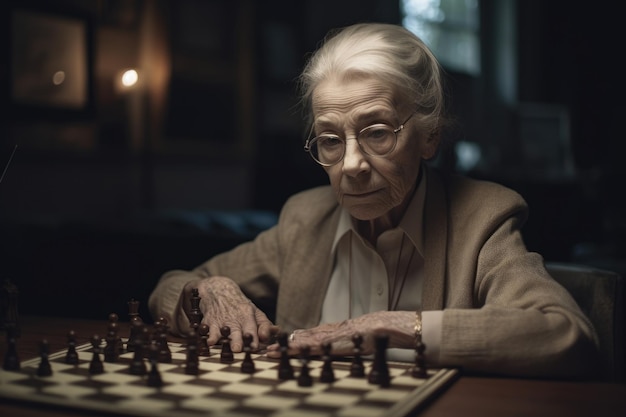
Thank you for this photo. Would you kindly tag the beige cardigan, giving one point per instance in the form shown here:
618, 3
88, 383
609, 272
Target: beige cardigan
503, 312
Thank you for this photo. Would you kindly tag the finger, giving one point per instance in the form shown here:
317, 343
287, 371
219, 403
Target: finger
268, 333
273, 351
266, 329
214, 333
236, 339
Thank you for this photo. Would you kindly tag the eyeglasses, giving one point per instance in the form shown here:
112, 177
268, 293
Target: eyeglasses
375, 140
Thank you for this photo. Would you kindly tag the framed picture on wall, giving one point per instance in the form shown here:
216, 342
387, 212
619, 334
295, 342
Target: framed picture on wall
50, 64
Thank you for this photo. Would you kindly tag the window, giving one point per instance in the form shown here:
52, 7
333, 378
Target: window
450, 28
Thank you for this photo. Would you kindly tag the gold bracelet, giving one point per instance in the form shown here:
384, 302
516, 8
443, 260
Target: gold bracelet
418, 326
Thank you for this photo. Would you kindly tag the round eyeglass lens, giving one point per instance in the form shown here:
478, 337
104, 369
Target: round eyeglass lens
328, 149
378, 139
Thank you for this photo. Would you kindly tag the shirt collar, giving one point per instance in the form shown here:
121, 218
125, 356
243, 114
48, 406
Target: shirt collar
411, 223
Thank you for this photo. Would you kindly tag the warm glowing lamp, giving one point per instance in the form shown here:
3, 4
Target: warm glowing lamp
127, 80
130, 78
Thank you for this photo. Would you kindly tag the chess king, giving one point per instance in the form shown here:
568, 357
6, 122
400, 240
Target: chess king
393, 244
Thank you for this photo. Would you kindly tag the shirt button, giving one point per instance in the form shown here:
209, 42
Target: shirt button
379, 289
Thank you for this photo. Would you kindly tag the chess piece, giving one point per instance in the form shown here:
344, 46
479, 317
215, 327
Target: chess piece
95, 366
11, 358
203, 346
133, 309
419, 370
195, 317
138, 365
44, 368
164, 354
247, 365
304, 378
285, 370
226, 355
379, 374
191, 362
112, 347
154, 376
71, 356
146, 340
136, 328
113, 331
9, 295
357, 370
327, 374
135, 320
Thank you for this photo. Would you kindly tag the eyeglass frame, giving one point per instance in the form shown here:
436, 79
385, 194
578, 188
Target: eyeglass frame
307, 147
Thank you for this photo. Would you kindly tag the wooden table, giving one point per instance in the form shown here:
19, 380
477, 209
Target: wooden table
467, 397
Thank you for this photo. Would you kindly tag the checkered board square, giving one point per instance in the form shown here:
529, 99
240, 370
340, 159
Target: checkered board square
219, 389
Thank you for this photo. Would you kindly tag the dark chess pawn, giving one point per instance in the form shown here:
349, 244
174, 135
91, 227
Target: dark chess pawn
247, 365
146, 340
357, 370
203, 346
138, 365
71, 356
113, 330
327, 374
192, 362
160, 334
11, 358
379, 374
304, 378
44, 368
285, 370
111, 349
154, 376
226, 355
136, 328
95, 366
164, 354
419, 370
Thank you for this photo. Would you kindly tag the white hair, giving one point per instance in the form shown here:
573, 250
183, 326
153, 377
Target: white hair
389, 53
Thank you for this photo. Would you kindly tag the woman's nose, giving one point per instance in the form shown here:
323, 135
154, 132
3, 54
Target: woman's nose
354, 160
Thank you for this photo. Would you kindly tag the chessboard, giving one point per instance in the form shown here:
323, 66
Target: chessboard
217, 388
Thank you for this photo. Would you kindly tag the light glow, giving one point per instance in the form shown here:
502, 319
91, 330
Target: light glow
130, 78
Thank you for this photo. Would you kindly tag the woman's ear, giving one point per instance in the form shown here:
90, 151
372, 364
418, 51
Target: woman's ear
432, 144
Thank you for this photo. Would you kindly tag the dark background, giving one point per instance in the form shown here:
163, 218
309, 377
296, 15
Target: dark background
99, 201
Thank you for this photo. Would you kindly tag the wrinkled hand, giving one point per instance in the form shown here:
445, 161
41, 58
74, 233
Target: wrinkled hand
398, 325
224, 304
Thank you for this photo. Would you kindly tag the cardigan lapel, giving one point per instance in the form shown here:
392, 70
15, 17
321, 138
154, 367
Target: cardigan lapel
435, 242
302, 296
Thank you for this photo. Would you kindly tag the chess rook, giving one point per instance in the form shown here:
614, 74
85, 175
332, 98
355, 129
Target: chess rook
195, 317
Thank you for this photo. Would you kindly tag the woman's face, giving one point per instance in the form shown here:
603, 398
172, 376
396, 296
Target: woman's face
368, 186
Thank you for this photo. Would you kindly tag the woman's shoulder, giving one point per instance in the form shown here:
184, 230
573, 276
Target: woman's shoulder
312, 202
470, 194
320, 194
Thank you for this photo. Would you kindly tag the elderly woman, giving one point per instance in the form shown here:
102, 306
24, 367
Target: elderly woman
392, 244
